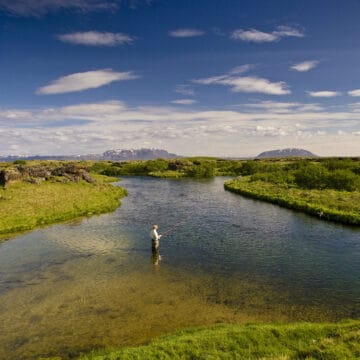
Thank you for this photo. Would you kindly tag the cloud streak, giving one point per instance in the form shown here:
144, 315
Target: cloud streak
305, 65
185, 90
257, 36
246, 84
84, 81
184, 101
41, 7
325, 93
186, 33
96, 38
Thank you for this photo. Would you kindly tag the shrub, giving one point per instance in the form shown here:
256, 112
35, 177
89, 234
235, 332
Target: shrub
311, 176
342, 180
19, 162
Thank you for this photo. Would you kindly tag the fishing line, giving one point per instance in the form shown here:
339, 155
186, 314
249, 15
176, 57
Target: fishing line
175, 226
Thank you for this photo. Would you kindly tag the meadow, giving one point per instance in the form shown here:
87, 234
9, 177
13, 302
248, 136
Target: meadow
252, 341
26, 205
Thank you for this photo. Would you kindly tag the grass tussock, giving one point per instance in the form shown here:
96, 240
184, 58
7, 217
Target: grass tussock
329, 204
24, 206
261, 341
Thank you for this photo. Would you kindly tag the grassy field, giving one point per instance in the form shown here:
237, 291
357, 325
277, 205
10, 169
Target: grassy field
259, 341
24, 206
329, 204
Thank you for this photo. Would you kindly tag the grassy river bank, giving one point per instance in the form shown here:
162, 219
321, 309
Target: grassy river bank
327, 204
25, 205
255, 341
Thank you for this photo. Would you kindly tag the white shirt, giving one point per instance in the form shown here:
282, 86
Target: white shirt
154, 234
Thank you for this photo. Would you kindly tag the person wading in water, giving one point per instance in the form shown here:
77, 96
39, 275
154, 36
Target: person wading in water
155, 237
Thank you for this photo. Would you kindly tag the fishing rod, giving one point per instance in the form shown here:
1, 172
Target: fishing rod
175, 226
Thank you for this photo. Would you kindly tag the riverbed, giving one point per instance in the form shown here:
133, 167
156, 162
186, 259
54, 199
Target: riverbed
70, 288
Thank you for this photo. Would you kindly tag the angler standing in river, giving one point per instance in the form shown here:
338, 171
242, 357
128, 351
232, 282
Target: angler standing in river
155, 237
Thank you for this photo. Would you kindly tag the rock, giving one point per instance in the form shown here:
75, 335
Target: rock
36, 181
37, 174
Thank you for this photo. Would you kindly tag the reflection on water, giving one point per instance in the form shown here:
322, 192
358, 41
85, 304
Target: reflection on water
72, 288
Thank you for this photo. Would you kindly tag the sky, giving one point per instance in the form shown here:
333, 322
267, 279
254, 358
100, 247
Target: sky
194, 77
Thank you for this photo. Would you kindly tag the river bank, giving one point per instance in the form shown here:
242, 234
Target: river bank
27, 204
255, 341
327, 204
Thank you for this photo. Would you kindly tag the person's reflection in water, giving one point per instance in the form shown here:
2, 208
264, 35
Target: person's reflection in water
155, 256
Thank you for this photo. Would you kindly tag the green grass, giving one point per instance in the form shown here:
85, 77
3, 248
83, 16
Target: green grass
170, 174
334, 205
259, 341
24, 206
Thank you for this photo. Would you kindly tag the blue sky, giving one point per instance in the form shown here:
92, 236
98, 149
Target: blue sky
200, 77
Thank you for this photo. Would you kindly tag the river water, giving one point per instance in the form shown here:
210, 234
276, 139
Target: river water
70, 288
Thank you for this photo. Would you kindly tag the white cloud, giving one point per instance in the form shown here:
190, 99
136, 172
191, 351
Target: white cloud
326, 93
253, 35
305, 65
96, 38
186, 33
354, 93
84, 80
247, 84
184, 101
96, 127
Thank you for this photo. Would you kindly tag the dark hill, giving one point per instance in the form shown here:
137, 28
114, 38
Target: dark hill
289, 152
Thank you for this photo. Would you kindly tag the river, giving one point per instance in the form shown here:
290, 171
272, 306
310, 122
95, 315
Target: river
94, 283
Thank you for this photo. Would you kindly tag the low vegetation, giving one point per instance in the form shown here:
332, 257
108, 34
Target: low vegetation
26, 203
203, 167
327, 188
259, 341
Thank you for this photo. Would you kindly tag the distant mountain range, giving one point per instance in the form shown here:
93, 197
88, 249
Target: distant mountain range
289, 152
114, 155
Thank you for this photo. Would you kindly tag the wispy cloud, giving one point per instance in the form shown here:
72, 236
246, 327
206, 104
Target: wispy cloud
84, 80
184, 101
354, 93
186, 33
185, 90
305, 65
257, 36
285, 107
241, 69
325, 93
96, 38
41, 7
246, 84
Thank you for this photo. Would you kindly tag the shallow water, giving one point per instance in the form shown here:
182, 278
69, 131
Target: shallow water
94, 283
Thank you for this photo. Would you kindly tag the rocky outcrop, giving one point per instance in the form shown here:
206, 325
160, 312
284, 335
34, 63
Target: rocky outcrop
37, 174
